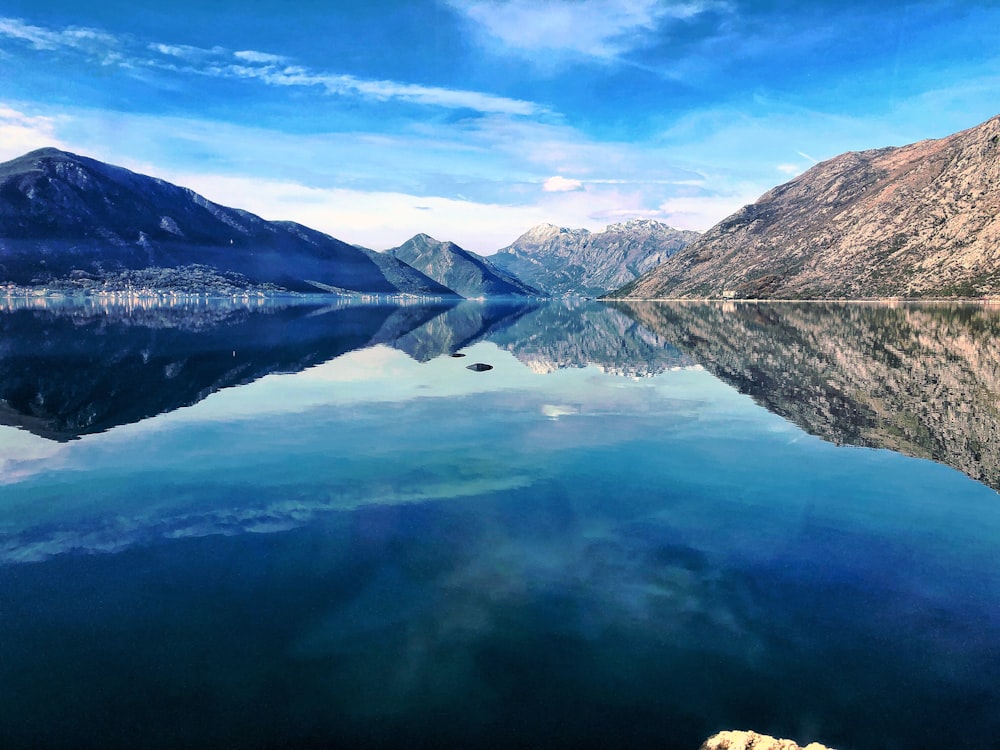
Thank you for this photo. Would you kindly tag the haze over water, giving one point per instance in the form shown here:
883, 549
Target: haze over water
313, 526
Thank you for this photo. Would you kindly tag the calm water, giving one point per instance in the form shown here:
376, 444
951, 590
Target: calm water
225, 526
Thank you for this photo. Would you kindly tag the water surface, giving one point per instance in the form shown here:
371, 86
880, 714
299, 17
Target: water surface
312, 526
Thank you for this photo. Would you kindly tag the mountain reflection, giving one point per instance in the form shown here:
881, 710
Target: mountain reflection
922, 380
74, 370
68, 370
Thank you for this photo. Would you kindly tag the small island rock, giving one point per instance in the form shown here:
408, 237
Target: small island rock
738, 740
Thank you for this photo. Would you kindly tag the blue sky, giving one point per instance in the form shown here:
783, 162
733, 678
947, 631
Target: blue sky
473, 120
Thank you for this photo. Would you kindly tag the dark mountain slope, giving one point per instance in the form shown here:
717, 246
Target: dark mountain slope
61, 213
468, 274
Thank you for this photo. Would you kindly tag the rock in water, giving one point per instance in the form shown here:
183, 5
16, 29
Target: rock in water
737, 740
479, 367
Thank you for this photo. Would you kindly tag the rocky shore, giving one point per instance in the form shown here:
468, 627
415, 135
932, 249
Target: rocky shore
739, 740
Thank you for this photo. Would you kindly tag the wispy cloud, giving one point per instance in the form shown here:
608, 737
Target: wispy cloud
260, 57
602, 29
128, 53
186, 52
347, 85
41, 38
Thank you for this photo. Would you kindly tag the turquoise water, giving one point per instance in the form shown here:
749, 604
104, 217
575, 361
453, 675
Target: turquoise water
366, 549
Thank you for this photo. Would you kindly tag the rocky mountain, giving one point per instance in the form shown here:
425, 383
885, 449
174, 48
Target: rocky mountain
915, 221
68, 217
921, 380
466, 273
564, 262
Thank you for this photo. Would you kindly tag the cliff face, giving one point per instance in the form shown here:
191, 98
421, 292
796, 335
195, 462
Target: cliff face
920, 220
565, 262
920, 380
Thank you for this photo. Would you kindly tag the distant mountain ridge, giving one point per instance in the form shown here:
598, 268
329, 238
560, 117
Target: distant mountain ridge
62, 214
914, 221
466, 273
564, 261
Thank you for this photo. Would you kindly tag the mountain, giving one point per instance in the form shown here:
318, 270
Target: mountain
64, 216
461, 271
921, 380
567, 262
914, 221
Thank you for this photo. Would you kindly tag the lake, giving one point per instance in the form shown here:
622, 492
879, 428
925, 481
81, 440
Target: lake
278, 525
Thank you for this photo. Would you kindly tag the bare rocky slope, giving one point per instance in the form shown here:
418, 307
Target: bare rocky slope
564, 262
921, 220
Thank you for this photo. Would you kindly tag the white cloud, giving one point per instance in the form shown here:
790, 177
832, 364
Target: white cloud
559, 184
20, 132
601, 29
380, 220
703, 212
789, 169
342, 184
374, 219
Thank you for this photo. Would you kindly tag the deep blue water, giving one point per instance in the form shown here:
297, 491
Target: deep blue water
376, 551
